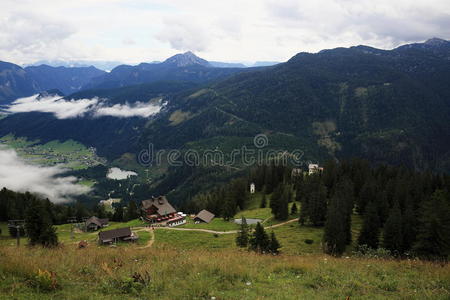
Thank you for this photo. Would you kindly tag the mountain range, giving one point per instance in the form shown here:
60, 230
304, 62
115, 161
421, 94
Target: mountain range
180, 67
16, 82
388, 106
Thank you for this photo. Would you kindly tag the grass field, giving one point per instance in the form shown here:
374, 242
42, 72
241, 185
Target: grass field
217, 224
185, 264
168, 273
201, 265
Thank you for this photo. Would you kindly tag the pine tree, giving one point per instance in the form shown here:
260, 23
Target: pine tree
274, 245
383, 207
242, 238
118, 214
275, 199
294, 209
370, 231
409, 227
334, 237
433, 237
282, 212
80, 211
392, 231
132, 210
259, 241
229, 206
38, 225
317, 205
263, 201
99, 211
304, 211
366, 195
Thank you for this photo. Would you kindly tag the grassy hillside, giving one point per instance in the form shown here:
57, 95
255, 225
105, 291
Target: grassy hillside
201, 261
168, 273
194, 264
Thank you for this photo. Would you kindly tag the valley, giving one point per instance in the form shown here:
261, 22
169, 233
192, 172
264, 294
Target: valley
68, 154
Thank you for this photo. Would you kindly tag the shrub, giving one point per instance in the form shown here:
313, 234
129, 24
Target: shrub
129, 285
44, 281
367, 252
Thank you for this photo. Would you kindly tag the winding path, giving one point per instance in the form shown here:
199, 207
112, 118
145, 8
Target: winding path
152, 237
219, 232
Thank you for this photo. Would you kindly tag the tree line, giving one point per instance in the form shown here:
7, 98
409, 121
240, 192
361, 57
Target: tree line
403, 211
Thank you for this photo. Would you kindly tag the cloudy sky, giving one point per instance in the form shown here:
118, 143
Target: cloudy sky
147, 30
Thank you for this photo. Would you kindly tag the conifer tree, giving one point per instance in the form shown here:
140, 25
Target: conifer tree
409, 227
304, 211
383, 207
344, 190
99, 211
242, 237
294, 209
392, 231
259, 241
274, 245
366, 195
132, 210
275, 199
263, 201
370, 231
334, 237
229, 206
317, 205
118, 214
282, 212
38, 225
433, 238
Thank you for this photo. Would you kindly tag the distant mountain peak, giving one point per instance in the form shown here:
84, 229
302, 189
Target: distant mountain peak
186, 59
436, 42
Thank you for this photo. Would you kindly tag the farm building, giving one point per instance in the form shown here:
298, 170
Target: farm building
94, 223
204, 216
115, 235
158, 210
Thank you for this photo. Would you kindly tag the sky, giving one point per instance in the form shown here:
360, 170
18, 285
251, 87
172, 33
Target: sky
232, 31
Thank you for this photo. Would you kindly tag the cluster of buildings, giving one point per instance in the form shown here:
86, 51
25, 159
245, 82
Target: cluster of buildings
157, 211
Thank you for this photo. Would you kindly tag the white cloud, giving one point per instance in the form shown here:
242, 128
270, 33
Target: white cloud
17, 175
95, 107
116, 173
61, 108
125, 110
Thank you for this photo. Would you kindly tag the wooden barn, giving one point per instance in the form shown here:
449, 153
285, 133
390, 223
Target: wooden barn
115, 235
94, 223
204, 216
